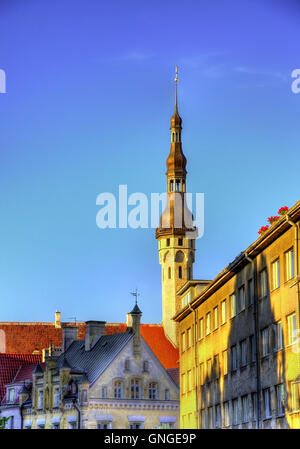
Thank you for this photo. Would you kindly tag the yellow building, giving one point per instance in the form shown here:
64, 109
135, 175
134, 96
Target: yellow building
105, 381
239, 337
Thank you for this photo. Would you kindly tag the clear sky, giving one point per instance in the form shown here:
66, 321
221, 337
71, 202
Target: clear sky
89, 96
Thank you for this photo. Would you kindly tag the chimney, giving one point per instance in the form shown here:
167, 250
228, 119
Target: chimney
69, 335
57, 320
135, 320
94, 330
128, 320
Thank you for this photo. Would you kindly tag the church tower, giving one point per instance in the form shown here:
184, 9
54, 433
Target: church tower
176, 234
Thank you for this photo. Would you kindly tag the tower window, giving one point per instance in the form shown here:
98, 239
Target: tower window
180, 242
168, 242
169, 272
180, 272
177, 185
171, 186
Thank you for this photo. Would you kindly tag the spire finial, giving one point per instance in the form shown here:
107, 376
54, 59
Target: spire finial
136, 294
176, 81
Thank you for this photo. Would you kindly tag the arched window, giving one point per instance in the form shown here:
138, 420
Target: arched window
153, 391
177, 185
169, 272
135, 389
180, 272
171, 185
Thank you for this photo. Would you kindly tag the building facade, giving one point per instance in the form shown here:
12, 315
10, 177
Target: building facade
104, 381
239, 337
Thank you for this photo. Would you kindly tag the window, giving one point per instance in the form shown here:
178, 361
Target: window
186, 299
275, 274
208, 323
278, 336
103, 425
265, 341
280, 399
218, 417
179, 242
243, 353
226, 414
72, 425
250, 292
216, 367
295, 389
223, 312
188, 337
167, 394
180, 272
189, 380
245, 409
104, 392
135, 389
232, 305
41, 399
235, 411
267, 403
55, 426
208, 367
118, 389
168, 240
291, 322
183, 383
145, 366
263, 284
183, 342
169, 272
56, 397
216, 318
254, 405
201, 373
203, 419
135, 425
201, 329
252, 349
210, 418
233, 358
153, 390
11, 395
289, 264
127, 365
225, 362
242, 302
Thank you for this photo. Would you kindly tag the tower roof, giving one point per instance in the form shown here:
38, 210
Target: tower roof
136, 310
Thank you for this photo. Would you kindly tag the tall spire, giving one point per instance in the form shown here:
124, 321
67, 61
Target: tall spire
176, 81
176, 119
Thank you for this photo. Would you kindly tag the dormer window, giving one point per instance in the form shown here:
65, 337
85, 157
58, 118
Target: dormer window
118, 389
11, 395
104, 392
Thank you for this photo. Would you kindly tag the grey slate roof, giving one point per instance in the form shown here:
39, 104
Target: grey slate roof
94, 362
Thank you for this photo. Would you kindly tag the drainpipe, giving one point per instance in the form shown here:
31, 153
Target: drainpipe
256, 339
196, 365
288, 219
78, 411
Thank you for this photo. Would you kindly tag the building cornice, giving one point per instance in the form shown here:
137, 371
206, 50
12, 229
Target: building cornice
268, 237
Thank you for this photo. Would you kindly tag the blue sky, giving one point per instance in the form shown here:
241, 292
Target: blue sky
89, 97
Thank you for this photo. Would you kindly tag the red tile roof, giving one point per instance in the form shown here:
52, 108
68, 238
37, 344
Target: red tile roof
30, 337
10, 364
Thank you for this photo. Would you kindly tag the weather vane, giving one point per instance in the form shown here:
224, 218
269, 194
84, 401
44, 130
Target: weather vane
136, 294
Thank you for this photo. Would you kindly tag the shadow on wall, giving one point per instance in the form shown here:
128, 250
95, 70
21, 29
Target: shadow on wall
252, 394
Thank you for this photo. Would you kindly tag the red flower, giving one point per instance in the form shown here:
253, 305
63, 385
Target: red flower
283, 210
263, 229
273, 218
